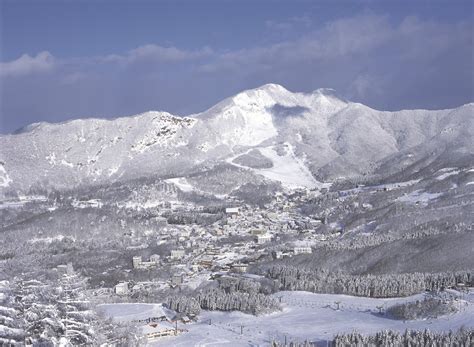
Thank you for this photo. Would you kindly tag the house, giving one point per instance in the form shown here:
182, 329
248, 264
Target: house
121, 288
177, 253
138, 263
211, 251
302, 250
155, 258
206, 262
263, 238
239, 267
154, 331
185, 320
257, 232
232, 211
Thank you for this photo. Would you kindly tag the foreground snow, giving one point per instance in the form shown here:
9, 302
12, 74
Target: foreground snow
305, 316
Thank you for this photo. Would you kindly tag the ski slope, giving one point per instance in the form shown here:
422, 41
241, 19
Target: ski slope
308, 316
287, 169
305, 316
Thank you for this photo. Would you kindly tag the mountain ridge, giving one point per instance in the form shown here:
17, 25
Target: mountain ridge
317, 132
322, 91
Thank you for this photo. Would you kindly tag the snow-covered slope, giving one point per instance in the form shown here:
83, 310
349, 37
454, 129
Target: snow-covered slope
329, 137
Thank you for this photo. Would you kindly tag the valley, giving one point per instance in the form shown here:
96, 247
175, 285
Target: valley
226, 227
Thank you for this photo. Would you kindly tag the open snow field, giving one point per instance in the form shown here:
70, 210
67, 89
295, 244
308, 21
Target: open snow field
305, 316
287, 169
126, 312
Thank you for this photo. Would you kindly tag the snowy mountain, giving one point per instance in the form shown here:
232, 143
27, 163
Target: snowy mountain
270, 133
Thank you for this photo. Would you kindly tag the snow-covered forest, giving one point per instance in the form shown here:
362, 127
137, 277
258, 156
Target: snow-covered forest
374, 286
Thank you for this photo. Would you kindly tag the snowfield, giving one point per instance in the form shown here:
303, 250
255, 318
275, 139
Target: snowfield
127, 312
287, 169
305, 316
418, 196
447, 172
182, 183
5, 180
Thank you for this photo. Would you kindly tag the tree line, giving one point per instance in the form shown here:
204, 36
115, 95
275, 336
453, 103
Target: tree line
374, 286
461, 338
227, 294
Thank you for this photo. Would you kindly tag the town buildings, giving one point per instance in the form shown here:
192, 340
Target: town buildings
121, 288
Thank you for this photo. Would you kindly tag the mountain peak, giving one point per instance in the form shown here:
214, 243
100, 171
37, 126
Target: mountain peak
329, 92
325, 91
271, 87
272, 90
334, 137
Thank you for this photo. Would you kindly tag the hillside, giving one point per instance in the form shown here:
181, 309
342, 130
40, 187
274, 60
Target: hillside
317, 136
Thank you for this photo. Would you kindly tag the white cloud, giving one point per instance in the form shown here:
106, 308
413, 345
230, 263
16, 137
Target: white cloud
368, 58
26, 64
289, 24
340, 38
152, 52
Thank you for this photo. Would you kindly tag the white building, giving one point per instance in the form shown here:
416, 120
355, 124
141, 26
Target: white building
154, 331
232, 210
302, 250
121, 288
177, 254
239, 267
155, 258
136, 261
261, 239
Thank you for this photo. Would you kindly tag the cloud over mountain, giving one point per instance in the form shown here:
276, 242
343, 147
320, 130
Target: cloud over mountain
367, 57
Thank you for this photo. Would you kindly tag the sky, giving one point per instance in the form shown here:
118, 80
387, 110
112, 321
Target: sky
67, 59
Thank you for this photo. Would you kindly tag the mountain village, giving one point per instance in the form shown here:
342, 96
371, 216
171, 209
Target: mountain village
248, 235
196, 253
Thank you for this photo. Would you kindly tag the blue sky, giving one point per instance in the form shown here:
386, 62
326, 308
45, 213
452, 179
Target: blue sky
71, 59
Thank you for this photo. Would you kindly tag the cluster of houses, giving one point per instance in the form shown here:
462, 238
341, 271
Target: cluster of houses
153, 262
196, 249
245, 236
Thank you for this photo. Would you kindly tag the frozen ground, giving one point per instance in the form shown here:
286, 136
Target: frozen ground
305, 316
